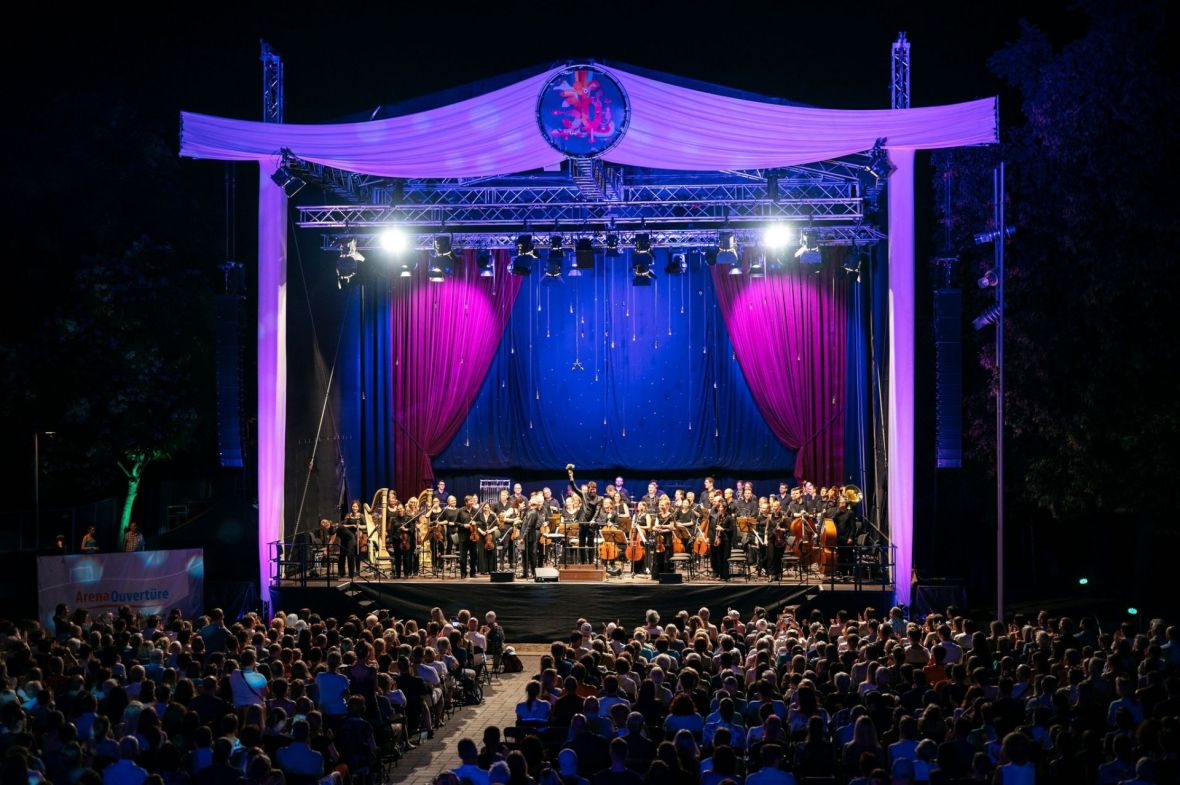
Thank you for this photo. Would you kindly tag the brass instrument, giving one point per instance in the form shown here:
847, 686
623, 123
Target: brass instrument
853, 495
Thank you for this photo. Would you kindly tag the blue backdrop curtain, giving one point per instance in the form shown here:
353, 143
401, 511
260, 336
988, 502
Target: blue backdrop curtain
609, 376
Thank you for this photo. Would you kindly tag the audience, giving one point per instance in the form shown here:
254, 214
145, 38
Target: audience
688, 700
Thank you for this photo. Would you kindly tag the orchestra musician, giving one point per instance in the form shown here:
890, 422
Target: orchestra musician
395, 523
846, 522
606, 517
623, 493
661, 557
408, 545
530, 530
756, 550
346, 538
652, 499
591, 502
723, 531
468, 546
450, 525
320, 542
435, 531
776, 531
488, 524
641, 528
550, 505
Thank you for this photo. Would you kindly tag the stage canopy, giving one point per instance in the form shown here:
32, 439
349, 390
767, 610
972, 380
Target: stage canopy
667, 126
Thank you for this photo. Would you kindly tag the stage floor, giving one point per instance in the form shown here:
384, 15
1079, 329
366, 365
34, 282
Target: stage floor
534, 612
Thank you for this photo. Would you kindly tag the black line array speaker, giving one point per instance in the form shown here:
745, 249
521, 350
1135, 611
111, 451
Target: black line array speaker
502, 577
671, 577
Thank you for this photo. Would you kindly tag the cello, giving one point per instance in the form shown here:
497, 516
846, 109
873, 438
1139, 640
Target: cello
635, 551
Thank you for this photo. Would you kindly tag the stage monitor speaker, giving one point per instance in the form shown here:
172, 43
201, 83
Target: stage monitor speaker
671, 577
502, 577
546, 575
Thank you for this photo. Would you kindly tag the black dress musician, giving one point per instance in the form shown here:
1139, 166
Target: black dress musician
591, 502
606, 517
641, 530
776, 540
723, 532
488, 524
468, 547
450, 525
409, 543
661, 549
436, 531
346, 538
395, 526
531, 538
686, 519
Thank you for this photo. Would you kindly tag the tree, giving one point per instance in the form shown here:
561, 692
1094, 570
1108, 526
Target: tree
1092, 429
134, 324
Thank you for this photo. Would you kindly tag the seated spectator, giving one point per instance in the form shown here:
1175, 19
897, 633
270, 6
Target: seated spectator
617, 772
770, 774
469, 769
125, 771
297, 758
532, 710
682, 715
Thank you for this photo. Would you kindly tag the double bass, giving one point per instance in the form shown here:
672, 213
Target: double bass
803, 530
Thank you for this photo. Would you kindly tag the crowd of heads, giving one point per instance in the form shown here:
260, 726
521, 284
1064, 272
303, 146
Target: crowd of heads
128, 699
866, 698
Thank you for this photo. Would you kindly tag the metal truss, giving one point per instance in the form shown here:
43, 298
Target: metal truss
899, 91
272, 85
824, 235
544, 205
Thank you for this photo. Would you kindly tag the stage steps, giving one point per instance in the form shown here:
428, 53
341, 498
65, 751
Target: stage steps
350, 591
581, 573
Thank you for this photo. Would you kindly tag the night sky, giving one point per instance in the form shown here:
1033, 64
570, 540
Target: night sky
340, 64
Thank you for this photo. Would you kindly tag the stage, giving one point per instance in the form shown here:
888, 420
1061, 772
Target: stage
534, 612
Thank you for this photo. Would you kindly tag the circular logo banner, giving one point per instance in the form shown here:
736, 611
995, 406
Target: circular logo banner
583, 111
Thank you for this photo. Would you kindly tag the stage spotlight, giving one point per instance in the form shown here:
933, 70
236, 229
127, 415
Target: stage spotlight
406, 265
287, 180
727, 249
852, 261
879, 166
522, 263
988, 280
583, 254
776, 237
348, 264
808, 252
487, 268
393, 240
442, 262
642, 260
710, 255
990, 316
612, 245
1083, 581
983, 238
677, 264
1132, 611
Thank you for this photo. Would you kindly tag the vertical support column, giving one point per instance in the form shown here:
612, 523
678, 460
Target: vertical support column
900, 439
272, 367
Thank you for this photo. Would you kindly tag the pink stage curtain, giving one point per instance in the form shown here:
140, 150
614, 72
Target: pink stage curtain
444, 337
788, 330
